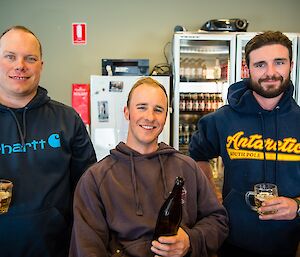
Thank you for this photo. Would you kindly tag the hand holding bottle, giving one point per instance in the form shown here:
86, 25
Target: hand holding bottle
175, 246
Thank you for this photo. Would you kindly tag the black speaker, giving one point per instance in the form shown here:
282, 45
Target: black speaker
179, 28
226, 25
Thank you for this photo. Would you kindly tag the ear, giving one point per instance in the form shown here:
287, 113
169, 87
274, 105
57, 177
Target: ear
126, 113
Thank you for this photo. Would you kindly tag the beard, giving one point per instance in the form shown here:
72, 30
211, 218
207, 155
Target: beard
270, 91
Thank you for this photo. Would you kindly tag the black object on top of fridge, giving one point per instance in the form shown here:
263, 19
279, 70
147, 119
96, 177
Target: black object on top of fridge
125, 67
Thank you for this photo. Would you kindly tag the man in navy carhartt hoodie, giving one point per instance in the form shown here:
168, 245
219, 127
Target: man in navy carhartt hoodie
258, 137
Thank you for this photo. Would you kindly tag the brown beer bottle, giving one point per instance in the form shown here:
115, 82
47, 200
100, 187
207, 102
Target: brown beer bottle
170, 213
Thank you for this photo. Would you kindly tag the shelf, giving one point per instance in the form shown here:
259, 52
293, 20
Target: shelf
205, 87
194, 112
204, 50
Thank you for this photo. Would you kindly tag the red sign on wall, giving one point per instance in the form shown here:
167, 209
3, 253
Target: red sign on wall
81, 101
79, 33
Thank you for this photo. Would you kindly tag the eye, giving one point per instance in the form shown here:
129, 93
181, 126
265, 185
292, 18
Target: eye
31, 59
158, 109
259, 65
279, 62
10, 57
141, 107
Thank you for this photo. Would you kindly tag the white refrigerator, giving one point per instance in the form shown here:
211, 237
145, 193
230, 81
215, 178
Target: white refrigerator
108, 99
203, 69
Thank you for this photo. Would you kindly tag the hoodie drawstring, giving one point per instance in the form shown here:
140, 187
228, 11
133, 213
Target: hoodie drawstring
163, 174
21, 133
277, 133
264, 148
138, 206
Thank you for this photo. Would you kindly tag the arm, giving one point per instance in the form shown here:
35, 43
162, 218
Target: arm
206, 169
83, 153
90, 233
211, 227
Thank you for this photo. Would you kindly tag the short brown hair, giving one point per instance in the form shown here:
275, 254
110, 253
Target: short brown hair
149, 81
18, 27
268, 38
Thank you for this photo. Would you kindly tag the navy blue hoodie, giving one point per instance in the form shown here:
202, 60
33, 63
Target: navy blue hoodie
44, 149
245, 136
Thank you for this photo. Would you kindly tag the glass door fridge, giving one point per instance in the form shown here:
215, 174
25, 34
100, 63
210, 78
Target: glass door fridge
203, 68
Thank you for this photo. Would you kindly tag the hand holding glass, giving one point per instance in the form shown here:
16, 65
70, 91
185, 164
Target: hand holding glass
262, 192
5, 195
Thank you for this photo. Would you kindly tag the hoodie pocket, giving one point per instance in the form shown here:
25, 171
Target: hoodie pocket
136, 248
240, 218
40, 233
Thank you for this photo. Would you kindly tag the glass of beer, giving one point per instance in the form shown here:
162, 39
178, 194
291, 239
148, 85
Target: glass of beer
5, 195
262, 192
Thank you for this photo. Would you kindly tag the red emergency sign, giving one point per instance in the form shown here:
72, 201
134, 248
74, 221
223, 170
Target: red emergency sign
79, 33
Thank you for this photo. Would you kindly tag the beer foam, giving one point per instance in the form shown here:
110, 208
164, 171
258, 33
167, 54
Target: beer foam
264, 196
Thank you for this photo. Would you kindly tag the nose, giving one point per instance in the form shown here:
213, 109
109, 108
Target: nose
20, 65
271, 70
150, 115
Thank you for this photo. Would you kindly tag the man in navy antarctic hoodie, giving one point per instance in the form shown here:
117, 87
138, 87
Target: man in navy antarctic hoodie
44, 149
258, 137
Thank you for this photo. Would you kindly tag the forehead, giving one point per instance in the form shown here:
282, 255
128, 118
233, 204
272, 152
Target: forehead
148, 93
269, 52
19, 41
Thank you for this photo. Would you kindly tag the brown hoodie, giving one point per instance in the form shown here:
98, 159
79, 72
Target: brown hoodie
118, 199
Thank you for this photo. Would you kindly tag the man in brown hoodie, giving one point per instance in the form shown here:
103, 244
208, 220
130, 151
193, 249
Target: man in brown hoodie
118, 199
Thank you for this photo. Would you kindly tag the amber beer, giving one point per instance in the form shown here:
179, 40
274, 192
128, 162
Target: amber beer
5, 195
262, 192
170, 213
260, 198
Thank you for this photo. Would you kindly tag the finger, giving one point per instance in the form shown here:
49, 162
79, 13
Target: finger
161, 246
167, 239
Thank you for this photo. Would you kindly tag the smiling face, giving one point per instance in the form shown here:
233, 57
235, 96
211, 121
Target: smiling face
20, 67
146, 113
270, 69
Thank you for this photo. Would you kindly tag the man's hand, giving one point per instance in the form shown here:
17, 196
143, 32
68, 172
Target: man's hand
284, 209
175, 246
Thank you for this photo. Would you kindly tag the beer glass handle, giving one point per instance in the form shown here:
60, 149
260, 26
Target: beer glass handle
249, 193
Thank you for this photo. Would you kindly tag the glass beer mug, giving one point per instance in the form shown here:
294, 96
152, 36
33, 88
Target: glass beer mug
262, 192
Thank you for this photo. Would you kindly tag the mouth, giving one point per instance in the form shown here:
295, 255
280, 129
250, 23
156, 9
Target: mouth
19, 77
147, 127
271, 79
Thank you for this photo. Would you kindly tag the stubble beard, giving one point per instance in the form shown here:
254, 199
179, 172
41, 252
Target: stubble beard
270, 91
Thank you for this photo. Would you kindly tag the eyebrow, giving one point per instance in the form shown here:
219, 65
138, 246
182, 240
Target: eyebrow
146, 104
10, 52
276, 59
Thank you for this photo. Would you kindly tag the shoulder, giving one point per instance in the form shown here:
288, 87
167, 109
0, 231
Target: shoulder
180, 159
98, 171
60, 106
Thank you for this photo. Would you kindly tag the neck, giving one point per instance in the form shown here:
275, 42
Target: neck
16, 101
267, 103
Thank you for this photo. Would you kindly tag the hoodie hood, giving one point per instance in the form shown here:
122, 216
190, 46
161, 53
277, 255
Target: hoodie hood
122, 151
39, 99
125, 153
241, 98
